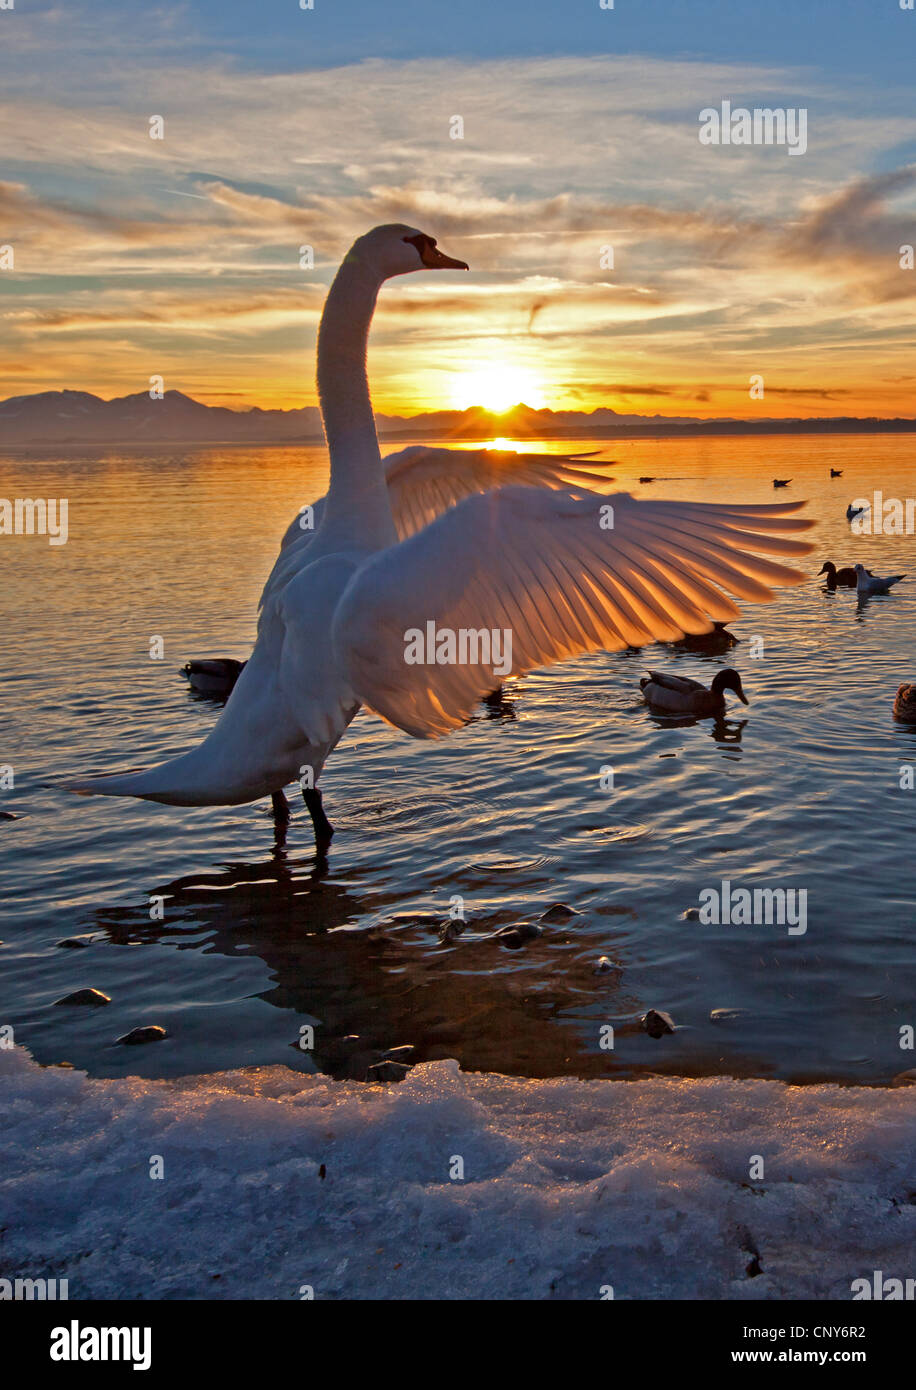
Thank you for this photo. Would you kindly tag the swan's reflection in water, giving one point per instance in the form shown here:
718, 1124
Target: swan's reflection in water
398, 980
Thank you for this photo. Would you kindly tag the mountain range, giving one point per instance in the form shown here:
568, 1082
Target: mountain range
77, 417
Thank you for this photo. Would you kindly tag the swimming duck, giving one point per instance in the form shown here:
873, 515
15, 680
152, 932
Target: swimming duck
905, 703
852, 512
781, 482
719, 640
678, 695
838, 579
868, 584
836, 472
216, 677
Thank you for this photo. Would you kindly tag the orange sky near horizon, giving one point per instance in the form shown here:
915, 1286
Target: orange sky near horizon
615, 259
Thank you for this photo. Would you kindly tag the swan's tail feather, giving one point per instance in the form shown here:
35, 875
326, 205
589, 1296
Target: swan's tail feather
161, 783
190, 780
122, 784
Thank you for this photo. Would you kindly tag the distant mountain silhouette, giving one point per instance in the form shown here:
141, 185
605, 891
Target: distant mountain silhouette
77, 417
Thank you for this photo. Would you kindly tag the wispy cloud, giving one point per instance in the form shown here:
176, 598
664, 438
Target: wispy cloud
131, 251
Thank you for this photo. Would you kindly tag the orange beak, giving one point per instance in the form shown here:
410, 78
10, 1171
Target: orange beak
432, 257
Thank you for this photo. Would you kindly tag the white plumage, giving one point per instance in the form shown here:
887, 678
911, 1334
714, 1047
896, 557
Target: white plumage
465, 540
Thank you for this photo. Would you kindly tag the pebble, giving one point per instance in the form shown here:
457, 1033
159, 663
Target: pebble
150, 1033
85, 996
399, 1054
657, 1023
558, 912
387, 1071
604, 967
724, 1015
450, 931
516, 937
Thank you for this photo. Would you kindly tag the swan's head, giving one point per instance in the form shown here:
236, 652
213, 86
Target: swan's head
396, 249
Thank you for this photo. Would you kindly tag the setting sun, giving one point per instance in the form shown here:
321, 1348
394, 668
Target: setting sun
497, 388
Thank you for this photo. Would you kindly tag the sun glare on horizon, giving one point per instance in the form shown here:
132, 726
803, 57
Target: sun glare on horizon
497, 388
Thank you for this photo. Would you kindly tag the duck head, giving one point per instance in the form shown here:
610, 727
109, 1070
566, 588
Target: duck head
728, 679
905, 703
396, 249
828, 567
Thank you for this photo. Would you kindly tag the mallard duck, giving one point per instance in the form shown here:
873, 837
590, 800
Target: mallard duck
838, 579
905, 703
781, 482
678, 695
216, 677
852, 512
719, 640
867, 584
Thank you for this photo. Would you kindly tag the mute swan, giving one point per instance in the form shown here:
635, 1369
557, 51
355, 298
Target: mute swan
557, 570
868, 584
678, 695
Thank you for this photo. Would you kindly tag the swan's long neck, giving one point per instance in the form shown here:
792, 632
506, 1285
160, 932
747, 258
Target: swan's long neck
358, 495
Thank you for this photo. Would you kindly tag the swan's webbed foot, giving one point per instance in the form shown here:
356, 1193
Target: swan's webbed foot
323, 827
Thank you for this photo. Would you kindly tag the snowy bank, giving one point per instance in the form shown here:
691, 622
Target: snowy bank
568, 1185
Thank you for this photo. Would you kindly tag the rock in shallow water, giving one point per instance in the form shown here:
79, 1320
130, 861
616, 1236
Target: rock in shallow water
724, 1015
450, 931
605, 966
93, 997
387, 1071
657, 1023
558, 912
517, 936
150, 1033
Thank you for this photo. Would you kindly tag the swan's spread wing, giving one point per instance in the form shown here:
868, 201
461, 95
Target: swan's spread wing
542, 567
423, 483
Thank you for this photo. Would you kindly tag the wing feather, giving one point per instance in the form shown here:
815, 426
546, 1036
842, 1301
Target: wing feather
535, 563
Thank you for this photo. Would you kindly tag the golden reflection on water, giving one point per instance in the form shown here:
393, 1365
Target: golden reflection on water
801, 789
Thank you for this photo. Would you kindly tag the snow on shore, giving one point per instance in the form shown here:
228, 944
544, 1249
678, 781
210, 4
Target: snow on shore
568, 1185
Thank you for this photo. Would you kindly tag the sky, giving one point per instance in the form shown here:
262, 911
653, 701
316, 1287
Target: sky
733, 267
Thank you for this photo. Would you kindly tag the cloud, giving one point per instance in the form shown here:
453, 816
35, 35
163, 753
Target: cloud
730, 259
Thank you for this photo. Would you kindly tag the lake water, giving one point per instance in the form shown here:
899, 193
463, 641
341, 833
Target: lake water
799, 790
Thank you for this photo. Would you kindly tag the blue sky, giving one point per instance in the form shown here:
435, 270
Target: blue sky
841, 36
286, 127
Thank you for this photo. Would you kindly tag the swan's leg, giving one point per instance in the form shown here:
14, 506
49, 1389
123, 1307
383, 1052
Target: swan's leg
281, 806
323, 827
